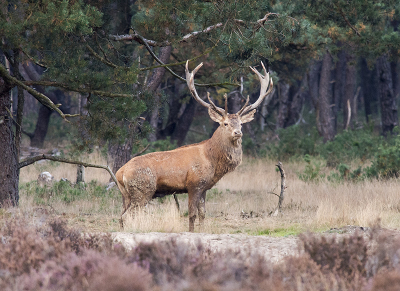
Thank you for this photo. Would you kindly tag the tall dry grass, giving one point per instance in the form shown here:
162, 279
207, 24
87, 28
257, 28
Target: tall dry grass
68, 171
242, 201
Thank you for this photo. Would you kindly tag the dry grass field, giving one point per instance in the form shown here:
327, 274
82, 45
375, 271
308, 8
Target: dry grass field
239, 203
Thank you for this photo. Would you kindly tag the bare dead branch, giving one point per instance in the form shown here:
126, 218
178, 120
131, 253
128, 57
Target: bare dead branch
31, 160
273, 193
278, 209
136, 37
194, 33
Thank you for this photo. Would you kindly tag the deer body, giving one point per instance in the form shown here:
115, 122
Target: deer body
191, 169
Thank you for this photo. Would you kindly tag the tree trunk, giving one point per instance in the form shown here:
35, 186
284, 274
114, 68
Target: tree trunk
234, 102
152, 85
296, 105
326, 114
43, 120
184, 122
120, 153
368, 89
395, 78
284, 104
9, 174
339, 85
313, 87
349, 91
387, 98
42, 125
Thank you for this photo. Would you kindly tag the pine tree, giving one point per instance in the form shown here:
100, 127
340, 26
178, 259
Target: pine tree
97, 51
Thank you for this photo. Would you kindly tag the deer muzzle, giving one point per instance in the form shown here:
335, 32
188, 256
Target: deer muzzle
237, 134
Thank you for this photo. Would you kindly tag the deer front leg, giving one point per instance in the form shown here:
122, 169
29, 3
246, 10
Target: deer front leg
194, 199
202, 208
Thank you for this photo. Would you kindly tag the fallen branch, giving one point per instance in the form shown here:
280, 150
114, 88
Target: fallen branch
31, 160
278, 209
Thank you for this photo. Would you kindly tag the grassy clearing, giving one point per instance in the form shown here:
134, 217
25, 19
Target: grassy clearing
239, 203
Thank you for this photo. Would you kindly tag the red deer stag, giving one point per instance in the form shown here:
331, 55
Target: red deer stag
191, 169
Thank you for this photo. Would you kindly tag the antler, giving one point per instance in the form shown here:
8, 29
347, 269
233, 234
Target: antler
190, 83
265, 85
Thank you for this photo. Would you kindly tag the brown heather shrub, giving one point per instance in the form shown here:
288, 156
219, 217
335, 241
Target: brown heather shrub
23, 249
55, 257
91, 270
385, 281
384, 254
346, 256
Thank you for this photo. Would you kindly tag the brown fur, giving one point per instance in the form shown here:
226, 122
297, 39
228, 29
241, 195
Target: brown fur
192, 169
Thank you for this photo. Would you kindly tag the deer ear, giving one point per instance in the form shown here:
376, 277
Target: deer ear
248, 116
214, 115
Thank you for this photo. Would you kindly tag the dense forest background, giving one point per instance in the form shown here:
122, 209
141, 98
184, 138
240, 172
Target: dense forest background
111, 74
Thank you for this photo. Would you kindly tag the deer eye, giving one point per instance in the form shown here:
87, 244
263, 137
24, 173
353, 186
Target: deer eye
226, 124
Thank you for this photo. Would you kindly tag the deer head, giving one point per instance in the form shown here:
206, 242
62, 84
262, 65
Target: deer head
231, 124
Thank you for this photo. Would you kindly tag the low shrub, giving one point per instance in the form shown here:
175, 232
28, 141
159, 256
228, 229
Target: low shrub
66, 192
294, 141
52, 256
386, 162
312, 171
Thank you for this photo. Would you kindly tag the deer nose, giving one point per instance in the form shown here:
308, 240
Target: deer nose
237, 132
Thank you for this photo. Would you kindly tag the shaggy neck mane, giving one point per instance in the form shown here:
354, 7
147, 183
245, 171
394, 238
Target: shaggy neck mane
226, 153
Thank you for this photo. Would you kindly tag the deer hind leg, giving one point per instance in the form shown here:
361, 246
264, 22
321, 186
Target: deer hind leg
126, 201
138, 201
140, 191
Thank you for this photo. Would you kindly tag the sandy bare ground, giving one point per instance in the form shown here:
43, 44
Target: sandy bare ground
273, 248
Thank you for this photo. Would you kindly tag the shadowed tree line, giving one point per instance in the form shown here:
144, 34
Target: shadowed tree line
119, 66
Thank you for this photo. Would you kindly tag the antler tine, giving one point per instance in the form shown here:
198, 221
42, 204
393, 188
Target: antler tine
190, 83
244, 106
216, 108
192, 88
266, 88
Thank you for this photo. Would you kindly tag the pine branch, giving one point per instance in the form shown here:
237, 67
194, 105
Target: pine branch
346, 20
31, 160
39, 96
101, 59
179, 63
80, 90
179, 77
136, 37
33, 60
